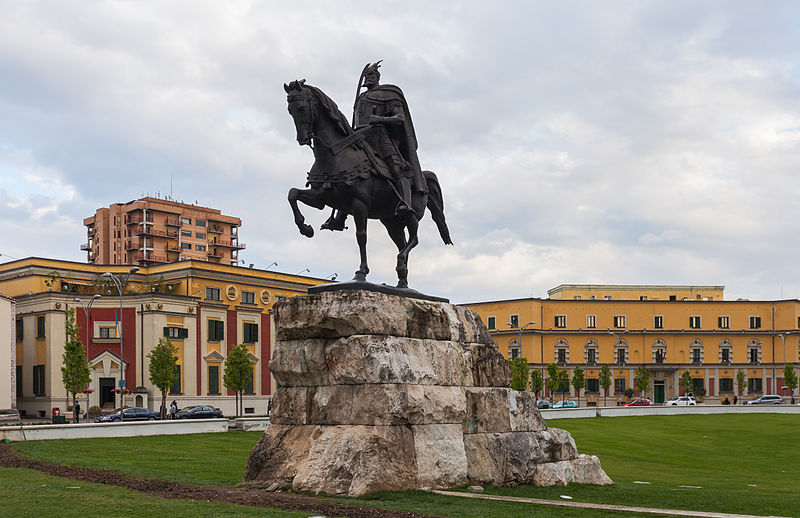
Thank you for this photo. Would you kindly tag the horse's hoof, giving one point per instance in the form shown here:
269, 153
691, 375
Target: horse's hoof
360, 277
307, 230
402, 284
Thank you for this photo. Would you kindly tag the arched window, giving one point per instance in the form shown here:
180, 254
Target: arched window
514, 349
591, 352
561, 351
725, 351
621, 351
659, 351
696, 351
754, 351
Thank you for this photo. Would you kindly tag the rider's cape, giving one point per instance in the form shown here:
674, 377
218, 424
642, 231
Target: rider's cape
403, 134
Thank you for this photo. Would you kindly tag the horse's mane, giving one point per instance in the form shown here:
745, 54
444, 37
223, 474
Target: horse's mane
333, 111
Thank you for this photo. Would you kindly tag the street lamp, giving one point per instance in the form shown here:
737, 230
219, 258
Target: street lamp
119, 281
521, 329
86, 307
783, 339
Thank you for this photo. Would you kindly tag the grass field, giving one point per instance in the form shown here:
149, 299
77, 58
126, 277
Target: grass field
738, 463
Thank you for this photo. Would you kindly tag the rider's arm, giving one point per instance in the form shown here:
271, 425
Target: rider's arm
395, 115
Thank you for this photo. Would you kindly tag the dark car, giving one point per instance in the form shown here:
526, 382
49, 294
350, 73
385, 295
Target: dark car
135, 413
199, 412
543, 403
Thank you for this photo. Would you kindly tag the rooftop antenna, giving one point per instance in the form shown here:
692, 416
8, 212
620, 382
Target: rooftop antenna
170, 187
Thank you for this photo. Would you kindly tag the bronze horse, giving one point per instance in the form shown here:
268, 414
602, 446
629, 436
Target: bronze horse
347, 176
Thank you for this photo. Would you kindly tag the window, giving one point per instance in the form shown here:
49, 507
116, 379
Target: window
620, 356
592, 385
694, 321
248, 297
591, 321
213, 380
40, 327
607, 297
724, 322
491, 323
200, 223
673, 297
658, 321
754, 385
176, 332
514, 352
19, 333
619, 385
576, 297
696, 356
186, 246
186, 221
660, 356
200, 235
108, 332
591, 356
216, 330
250, 333
19, 381
38, 380
212, 294
175, 389
642, 297
248, 389
698, 385
562, 356
725, 385
752, 355
755, 322
200, 248
726, 357
619, 321
561, 321
186, 233
594, 297
514, 320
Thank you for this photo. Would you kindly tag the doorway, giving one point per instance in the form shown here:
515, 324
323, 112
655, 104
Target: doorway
658, 392
107, 395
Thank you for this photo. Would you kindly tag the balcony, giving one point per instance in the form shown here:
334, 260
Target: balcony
215, 254
214, 229
87, 247
149, 257
156, 233
172, 248
172, 222
133, 220
131, 245
91, 231
227, 244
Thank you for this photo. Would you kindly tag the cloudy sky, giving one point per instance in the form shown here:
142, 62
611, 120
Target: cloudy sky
576, 142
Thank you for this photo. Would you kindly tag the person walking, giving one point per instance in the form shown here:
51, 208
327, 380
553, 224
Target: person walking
173, 409
77, 411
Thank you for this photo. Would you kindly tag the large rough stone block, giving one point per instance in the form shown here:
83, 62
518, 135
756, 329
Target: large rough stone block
487, 410
585, 469
300, 363
441, 460
489, 367
279, 453
290, 405
347, 313
354, 460
525, 416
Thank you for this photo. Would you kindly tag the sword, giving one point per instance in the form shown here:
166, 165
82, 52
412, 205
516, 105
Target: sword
358, 91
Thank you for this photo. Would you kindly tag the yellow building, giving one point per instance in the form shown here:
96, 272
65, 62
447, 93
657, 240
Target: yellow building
666, 329
204, 308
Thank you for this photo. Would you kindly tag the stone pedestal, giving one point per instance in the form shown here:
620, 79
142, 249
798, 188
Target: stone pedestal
380, 392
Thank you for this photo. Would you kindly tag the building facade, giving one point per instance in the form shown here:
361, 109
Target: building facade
151, 231
666, 329
8, 388
204, 308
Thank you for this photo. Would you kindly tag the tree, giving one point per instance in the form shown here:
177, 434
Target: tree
552, 379
687, 382
163, 369
563, 382
578, 382
519, 373
238, 373
537, 382
75, 371
790, 379
741, 381
605, 381
642, 381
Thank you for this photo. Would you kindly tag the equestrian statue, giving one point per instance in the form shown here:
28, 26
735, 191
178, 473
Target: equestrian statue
370, 172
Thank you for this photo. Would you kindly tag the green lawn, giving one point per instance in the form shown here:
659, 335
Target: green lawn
741, 463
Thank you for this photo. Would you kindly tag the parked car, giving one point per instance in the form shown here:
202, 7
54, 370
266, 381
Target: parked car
543, 403
766, 400
199, 412
135, 413
639, 402
565, 403
681, 401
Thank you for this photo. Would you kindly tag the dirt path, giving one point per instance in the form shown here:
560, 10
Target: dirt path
163, 489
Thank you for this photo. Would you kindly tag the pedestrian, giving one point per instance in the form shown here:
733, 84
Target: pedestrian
77, 412
726, 401
269, 407
735, 399
173, 409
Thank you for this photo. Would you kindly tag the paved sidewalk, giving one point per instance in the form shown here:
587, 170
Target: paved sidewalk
604, 507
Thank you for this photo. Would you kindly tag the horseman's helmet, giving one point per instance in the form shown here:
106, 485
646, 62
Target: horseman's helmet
373, 69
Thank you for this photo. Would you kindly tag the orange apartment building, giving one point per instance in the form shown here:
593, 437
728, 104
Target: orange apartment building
151, 231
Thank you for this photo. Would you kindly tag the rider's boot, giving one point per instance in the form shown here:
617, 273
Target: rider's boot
404, 207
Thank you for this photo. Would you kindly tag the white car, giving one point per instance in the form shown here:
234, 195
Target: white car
681, 401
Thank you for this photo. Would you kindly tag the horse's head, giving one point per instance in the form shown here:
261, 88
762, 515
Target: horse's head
302, 107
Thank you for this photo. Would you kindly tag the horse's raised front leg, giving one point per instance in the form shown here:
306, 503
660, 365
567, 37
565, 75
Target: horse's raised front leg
310, 198
360, 218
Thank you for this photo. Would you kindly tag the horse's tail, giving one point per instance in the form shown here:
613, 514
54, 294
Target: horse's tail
436, 206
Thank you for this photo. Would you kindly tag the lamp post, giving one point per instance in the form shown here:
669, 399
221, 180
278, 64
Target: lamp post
86, 307
618, 339
520, 330
783, 339
119, 281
